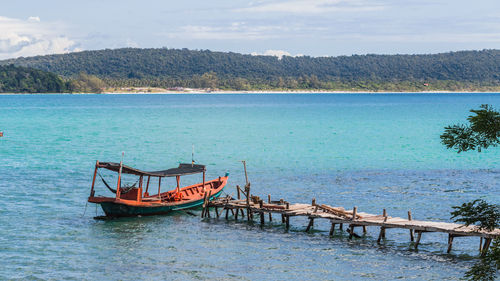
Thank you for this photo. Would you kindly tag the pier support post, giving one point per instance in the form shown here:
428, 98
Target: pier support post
419, 236
208, 203
486, 246
227, 213
382, 229
351, 231
481, 245
450, 242
351, 226
332, 229
411, 230
341, 226
287, 217
217, 212
269, 201
282, 202
310, 225
261, 203
384, 213
204, 205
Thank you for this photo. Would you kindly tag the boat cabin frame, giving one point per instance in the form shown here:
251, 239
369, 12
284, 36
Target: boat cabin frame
136, 194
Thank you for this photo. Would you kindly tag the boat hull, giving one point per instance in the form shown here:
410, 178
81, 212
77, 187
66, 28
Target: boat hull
114, 209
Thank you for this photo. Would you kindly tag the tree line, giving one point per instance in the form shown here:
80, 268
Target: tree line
166, 68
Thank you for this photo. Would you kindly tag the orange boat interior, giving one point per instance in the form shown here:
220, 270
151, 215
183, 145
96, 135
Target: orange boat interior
141, 195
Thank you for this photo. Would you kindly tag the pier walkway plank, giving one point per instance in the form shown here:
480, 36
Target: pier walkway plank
353, 218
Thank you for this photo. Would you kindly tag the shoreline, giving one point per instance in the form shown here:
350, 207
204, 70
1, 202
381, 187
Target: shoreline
259, 92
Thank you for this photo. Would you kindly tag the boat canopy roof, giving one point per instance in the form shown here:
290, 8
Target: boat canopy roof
183, 169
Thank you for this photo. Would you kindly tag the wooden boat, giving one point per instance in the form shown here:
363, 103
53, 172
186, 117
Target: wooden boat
132, 201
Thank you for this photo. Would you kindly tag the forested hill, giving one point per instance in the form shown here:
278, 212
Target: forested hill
131, 63
28, 80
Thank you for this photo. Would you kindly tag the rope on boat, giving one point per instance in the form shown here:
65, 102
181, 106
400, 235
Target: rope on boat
85, 210
124, 189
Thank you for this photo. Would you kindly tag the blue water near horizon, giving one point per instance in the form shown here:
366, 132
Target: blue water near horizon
372, 151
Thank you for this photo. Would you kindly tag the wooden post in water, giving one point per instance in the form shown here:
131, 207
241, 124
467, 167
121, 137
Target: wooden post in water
332, 229
351, 226
287, 217
384, 213
486, 246
269, 201
204, 203
382, 229
208, 203
261, 204
239, 198
419, 236
247, 191
351, 231
282, 215
311, 224
450, 242
411, 230
480, 244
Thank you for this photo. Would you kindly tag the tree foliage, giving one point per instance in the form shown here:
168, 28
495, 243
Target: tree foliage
466, 70
482, 131
14, 79
486, 268
85, 83
478, 212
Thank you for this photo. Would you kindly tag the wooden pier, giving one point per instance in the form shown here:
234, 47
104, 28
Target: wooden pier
251, 206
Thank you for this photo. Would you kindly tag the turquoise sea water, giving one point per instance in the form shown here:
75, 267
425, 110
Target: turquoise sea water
370, 151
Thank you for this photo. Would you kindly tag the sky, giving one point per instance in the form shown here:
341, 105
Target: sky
284, 27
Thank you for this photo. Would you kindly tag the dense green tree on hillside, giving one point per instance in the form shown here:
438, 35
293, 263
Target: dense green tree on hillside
15, 79
129, 67
86, 83
130, 63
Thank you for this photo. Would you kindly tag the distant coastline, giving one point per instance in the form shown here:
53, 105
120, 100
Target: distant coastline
133, 70
263, 92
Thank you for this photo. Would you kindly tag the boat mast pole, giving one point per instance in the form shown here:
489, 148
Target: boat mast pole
178, 178
93, 180
119, 178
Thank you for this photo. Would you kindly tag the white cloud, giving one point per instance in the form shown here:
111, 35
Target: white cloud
276, 53
31, 37
314, 6
34, 19
233, 31
242, 31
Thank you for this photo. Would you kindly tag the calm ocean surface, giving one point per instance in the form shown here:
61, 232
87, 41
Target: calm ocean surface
370, 151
